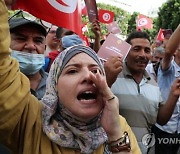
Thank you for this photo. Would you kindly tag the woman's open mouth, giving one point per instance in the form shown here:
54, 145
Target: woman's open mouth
87, 96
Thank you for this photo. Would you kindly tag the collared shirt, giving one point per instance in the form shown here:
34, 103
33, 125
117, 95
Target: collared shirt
138, 103
41, 89
165, 81
150, 70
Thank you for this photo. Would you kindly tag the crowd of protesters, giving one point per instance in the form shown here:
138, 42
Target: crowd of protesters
57, 95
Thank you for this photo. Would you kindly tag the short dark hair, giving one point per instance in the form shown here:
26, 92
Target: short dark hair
137, 34
60, 32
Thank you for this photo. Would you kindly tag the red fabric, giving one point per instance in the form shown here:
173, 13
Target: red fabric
106, 16
85, 40
83, 8
60, 13
53, 54
160, 35
144, 22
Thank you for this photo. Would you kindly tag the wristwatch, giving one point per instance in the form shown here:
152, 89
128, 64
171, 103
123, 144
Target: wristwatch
121, 144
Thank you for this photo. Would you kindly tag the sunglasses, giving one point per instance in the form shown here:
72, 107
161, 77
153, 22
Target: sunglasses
30, 17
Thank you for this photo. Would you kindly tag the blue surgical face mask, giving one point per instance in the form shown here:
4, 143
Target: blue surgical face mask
29, 63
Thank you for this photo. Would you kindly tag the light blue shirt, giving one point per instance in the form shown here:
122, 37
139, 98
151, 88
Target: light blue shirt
165, 80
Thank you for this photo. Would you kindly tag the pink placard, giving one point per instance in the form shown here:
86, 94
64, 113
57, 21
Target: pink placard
113, 28
113, 46
91, 9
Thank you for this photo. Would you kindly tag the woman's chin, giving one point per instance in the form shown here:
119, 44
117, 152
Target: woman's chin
87, 115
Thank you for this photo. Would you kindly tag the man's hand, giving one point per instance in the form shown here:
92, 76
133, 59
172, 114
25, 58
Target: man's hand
97, 32
175, 88
113, 66
96, 28
165, 111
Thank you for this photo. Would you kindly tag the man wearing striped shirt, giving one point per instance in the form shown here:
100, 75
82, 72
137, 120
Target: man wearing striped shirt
139, 95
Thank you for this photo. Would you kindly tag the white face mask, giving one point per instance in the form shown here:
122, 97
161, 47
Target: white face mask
29, 63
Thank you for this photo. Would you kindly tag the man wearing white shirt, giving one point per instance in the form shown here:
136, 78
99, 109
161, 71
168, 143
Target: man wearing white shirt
152, 67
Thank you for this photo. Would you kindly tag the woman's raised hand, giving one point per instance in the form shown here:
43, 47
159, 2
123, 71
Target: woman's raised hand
110, 114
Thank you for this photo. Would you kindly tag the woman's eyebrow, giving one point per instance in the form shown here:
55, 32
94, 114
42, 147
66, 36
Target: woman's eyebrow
69, 65
78, 65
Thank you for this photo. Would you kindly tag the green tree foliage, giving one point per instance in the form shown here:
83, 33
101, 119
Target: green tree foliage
169, 15
120, 16
168, 18
132, 22
10, 13
132, 26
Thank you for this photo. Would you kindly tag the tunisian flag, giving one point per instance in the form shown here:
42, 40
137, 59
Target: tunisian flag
143, 22
160, 35
63, 13
106, 16
83, 8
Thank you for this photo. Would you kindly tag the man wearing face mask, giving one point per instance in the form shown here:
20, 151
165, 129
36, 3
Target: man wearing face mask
28, 46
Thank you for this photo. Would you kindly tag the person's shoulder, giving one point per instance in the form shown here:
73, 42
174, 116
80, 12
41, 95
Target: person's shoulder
151, 81
125, 127
167, 72
122, 119
149, 66
123, 122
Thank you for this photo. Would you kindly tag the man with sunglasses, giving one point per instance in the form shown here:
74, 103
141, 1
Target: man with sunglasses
28, 46
52, 42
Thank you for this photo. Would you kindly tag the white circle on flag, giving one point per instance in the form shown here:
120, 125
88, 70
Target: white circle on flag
82, 4
68, 6
84, 29
106, 16
142, 22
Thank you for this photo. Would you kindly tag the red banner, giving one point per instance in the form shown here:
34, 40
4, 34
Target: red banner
106, 16
160, 35
143, 22
63, 13
83, 8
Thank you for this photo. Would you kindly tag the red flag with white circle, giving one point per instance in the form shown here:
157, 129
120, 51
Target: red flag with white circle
144, 22
63, 13
160, 35
83, 8
106, 16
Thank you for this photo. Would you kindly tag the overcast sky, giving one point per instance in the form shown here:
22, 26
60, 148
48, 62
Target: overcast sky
145, 5
142, 6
